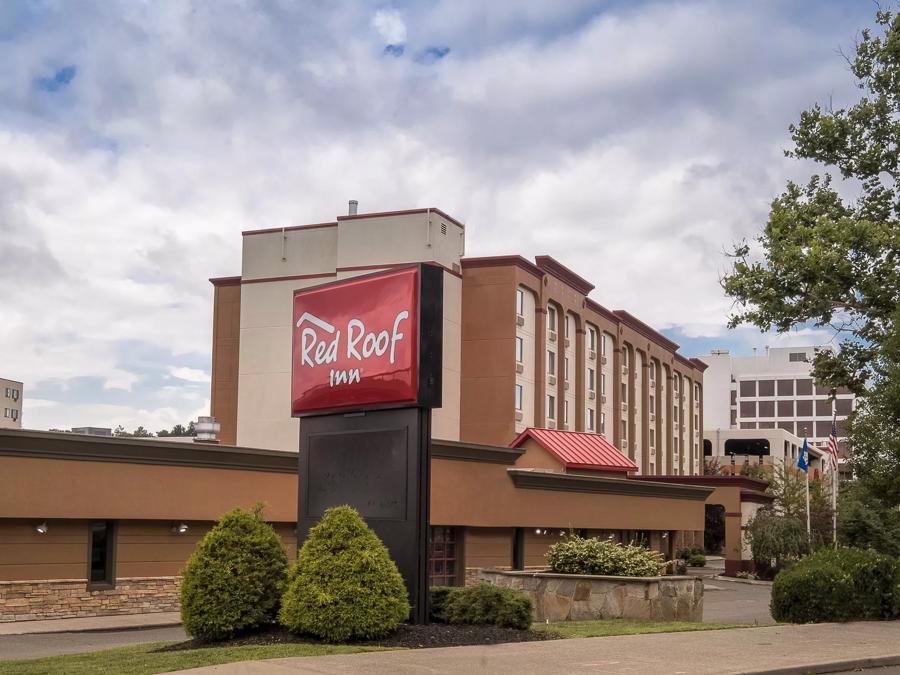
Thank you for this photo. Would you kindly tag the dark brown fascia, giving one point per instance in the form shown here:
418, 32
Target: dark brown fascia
470, 452
543, 480
756, 497
555, 268
651, 334
744, 482
406, 212
602, 311
503, 261
698, 364
75, 447
685, 361
225, 281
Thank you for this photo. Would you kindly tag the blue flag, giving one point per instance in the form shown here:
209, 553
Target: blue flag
803, 462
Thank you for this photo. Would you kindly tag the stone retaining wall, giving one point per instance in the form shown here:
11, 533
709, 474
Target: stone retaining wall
66, 598
576, 597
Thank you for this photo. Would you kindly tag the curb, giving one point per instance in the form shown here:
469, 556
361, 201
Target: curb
832, 666
752, 582
97, 629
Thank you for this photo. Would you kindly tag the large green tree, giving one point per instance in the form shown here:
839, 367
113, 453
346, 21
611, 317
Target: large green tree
828, 260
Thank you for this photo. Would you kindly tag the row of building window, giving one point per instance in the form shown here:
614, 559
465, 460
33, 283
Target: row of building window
11, 413
783, 387
803, 408
13, 393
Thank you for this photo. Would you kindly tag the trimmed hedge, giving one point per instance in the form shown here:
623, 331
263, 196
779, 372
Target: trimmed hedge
345, 585
696, 560
576, 555
481, 604
843, 585
234, 579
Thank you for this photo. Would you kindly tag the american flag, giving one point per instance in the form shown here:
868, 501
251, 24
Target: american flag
833, 446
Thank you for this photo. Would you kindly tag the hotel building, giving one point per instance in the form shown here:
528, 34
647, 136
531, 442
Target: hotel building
524, 345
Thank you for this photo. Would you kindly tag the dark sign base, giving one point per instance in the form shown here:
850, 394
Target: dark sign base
378, 463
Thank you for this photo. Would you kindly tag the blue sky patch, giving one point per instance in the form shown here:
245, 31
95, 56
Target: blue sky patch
61, 78
394, 50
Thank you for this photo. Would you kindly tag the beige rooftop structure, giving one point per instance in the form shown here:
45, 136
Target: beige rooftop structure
10, 404
769, 447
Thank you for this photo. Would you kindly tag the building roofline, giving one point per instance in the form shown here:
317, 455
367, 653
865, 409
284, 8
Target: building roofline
503, 261
405, 212
744, 482
699, 364
290, 228
602, 311
544, 480
556, 269
650, 333
473, 452
26, 443
225, 281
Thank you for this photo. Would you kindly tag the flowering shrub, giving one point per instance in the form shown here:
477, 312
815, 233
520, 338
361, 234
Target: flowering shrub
576, 555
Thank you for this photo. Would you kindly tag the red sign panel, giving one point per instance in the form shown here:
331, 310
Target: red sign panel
356, 343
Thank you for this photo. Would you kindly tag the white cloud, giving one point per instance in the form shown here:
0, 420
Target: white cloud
390, 26
190, 374
632, 143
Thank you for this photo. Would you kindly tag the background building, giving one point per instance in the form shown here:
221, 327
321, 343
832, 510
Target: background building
766, 447
774, 390
11, 404
524, 345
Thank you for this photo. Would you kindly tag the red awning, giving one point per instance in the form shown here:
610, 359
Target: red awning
578, 450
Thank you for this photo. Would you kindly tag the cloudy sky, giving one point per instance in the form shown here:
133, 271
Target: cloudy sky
633, 141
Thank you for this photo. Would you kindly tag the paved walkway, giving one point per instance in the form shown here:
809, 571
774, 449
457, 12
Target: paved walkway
91, 623
726, 601
783, 649
37, 645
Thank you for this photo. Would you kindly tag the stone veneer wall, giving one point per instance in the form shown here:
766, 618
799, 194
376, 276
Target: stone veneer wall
66, 598
576, 597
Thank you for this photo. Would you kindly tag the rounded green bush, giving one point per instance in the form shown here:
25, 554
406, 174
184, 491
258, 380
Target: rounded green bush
345, 585
842, 585
696, 560
234, 579
576, 555
487, 604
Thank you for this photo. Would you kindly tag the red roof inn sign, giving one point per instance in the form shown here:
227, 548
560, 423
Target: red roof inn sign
368, 342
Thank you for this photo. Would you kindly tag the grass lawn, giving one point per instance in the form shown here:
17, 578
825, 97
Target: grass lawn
608, 627
138, 659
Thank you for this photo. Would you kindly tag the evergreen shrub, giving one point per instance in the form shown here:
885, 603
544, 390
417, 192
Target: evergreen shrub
577, 555
345, 585
234, 579
483, 604
842, 585
697, 560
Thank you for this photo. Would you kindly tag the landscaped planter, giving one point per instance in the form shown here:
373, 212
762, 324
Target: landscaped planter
577, 597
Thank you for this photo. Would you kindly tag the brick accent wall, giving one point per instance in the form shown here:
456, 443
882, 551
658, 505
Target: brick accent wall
66, 598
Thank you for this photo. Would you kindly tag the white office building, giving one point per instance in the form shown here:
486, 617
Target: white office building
772, 390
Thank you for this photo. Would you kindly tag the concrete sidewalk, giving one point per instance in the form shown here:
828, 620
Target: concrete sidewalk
91, 623
774, 649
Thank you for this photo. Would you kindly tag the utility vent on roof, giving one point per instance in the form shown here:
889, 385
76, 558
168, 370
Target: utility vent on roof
443, 228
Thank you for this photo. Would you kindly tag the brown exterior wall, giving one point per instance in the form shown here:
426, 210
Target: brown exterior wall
489, 547
52, 488
225, 355
59, 554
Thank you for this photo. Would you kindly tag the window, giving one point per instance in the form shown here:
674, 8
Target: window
590, 419
767, 408
603, 345
785, 387
748, 388
767, 387
624, 425
785, 408
591, 379
696, 421
566, 365
602, 423
592, 339
565, 412
653, 370
519, 349
696, 392
804, 387
518, 397
520, 302
675, 414
748, 408
551, 362
603, 384
652, 437
624, 392
568, 321
551, 318
675, 383
101, 573
797, 357
652, 403
652, 468
442, 556
624, 357
551, 407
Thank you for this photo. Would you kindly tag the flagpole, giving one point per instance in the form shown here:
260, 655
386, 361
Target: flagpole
834, 484
808, 527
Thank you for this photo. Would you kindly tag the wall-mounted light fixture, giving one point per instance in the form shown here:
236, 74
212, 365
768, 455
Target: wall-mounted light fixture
42, 528
179, 528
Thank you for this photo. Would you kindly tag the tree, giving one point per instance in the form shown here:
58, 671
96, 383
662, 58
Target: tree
826, 261
864, 521
141, 432
120, 431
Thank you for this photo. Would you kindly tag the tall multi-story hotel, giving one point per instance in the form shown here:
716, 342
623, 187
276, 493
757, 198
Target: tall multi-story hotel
11, 404
774, 390
524, 345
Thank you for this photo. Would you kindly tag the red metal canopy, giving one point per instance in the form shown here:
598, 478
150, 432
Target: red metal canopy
578, 450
